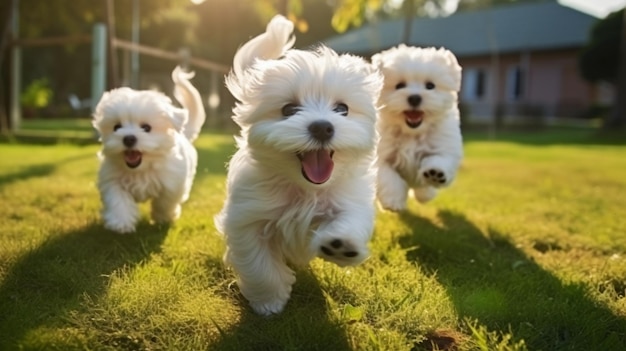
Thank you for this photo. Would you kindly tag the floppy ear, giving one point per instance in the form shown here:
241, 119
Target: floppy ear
377, 61
454, 64
179, 117
98, 113
452, 61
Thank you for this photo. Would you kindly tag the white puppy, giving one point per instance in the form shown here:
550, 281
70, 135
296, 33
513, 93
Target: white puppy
420, 144
302, 182
147, 151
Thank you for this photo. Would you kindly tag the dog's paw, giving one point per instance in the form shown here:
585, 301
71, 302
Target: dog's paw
342, 252
120, 214
122, 227
165, 215
424, 194
268, 308
269, 289
395, 202
435, 177
395, 206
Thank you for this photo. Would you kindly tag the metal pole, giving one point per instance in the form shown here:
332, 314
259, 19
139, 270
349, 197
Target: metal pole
134, 58
617, 117
496, 111
98, 63
214, 97
16, 71
409, 12
185, 57
110, 19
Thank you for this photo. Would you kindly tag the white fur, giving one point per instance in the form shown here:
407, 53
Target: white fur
273, 215
168, 159
427, 157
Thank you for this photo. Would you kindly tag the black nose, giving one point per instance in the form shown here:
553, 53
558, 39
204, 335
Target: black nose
321, 130
415, 100
130, 140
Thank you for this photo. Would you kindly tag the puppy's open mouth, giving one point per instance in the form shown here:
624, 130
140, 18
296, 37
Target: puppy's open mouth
317, 165
413, 118
132, 158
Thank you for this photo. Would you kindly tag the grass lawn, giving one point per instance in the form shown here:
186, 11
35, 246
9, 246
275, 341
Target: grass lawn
58, 124
526, 250
52, 130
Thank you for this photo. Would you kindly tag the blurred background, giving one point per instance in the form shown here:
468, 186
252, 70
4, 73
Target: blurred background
526, 63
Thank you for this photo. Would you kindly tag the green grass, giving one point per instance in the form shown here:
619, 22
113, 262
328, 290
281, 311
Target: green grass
54, 130
58, 124
526, 250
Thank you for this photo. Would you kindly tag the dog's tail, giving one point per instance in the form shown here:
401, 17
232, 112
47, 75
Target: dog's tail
266, 46
271, 44
190, 99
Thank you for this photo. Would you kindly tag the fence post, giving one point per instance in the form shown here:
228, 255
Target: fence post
134, 54
214, 97
185, 56
16, 70
98, 63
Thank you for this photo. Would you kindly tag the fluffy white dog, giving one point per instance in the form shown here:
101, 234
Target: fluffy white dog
302, 182
420, 144
147, 151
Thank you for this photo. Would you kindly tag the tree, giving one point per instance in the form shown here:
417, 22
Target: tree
166, 24
603, 59
470, 5
353, 13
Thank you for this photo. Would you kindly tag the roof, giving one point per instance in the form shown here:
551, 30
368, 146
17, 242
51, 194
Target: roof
511, 28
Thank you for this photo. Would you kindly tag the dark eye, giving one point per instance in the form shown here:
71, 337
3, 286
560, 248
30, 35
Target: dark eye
290, 110
341, 108
117, 126
430, 85
146, 128
400, 85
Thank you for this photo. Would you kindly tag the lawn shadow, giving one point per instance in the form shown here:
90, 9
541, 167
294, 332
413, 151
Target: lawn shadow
51, 137
49, 282
303, 325
496, 284
38, 170
548, 136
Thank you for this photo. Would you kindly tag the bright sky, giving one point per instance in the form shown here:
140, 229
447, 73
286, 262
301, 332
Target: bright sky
597, 8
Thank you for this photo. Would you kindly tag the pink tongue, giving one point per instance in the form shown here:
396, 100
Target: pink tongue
317, 165
414, 116
132, 156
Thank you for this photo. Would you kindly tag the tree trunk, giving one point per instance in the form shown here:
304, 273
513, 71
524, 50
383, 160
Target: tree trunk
5, 38
283, 7
112, 54
409, 13
617, 117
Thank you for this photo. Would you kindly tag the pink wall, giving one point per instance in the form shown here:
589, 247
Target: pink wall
551, 81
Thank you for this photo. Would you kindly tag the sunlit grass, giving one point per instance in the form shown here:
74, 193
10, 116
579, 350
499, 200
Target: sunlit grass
58, 124
525, 251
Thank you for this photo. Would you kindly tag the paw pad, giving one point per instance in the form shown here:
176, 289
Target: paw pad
434, 176
339, 248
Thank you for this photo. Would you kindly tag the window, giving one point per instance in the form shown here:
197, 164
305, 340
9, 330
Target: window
515, 83
474, 84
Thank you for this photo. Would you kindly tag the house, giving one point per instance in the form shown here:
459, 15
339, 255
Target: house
520, 62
